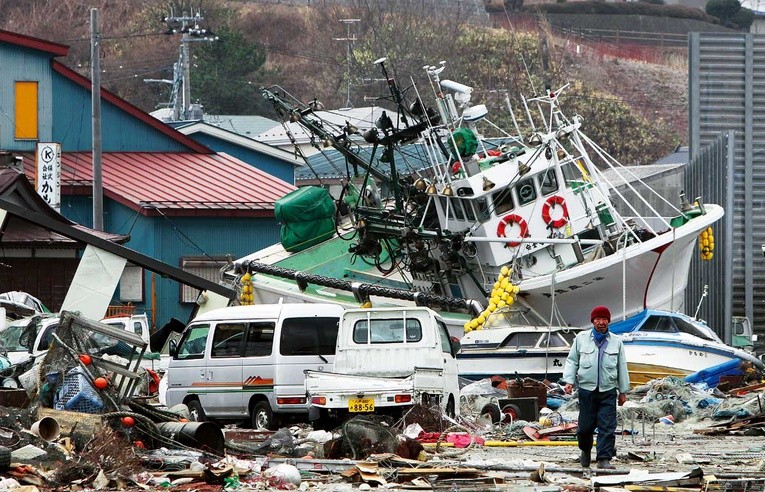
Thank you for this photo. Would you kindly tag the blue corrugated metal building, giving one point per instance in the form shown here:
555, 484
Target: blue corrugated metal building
180, 202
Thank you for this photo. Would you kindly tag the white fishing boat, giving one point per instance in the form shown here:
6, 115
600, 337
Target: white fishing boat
439, 209
661, 343
515, 345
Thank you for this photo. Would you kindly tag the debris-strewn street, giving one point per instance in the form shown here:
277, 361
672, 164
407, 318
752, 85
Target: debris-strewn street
672, 435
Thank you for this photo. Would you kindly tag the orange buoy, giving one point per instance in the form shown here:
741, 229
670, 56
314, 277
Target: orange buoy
101, 383
128, 421
86, 359
139, 444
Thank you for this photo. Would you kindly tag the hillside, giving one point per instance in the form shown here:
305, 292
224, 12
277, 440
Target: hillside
637, 107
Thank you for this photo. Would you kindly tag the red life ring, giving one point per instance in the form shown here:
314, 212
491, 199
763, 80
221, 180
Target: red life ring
551, 202
512, 219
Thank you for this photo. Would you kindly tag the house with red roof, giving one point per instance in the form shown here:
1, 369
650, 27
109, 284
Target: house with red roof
178, 201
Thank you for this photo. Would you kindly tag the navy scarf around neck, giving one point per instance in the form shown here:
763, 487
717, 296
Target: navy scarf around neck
599, 337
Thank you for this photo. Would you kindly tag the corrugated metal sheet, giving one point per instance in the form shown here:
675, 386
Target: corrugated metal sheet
29, 65
727, 86
198, 183
710, 173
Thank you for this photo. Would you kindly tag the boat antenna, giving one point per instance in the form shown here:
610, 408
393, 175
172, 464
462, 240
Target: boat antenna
393, 87
698, 306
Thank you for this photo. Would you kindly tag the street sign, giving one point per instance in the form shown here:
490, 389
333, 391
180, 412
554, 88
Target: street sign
48, 178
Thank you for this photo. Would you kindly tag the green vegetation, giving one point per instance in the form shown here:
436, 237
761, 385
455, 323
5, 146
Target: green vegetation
730, 13
221, 70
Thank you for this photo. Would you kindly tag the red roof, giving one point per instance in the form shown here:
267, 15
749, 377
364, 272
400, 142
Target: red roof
174, 183
54, 49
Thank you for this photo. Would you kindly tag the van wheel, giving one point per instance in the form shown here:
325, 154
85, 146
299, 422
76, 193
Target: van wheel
196, 412
262, 416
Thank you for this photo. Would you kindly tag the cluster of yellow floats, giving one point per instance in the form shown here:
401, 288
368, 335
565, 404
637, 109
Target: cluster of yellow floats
707, 244
503, 294
246, 297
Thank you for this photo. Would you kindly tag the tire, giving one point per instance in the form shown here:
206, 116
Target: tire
5, 459
510, 413
493, 411
262, 418
196, 412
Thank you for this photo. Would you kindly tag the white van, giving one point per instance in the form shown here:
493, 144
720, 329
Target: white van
247, 362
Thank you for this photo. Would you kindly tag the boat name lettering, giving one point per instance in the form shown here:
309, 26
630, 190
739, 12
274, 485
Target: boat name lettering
572, 288
557, 363
698, 353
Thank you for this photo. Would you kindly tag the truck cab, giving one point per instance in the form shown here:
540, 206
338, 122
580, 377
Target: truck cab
741, 334
387, 360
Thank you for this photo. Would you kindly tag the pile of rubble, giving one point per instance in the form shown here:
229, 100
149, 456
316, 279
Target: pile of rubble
79, 422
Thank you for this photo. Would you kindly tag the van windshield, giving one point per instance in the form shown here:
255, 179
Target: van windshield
308, 336
193, 342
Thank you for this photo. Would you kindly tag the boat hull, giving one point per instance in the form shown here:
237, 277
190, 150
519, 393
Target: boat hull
677, 358
652, 274
539, 366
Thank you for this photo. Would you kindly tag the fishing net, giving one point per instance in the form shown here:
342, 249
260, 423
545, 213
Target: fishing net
362, 436
79, 352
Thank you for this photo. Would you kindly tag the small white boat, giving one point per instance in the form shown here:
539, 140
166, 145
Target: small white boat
512, 344
663, 343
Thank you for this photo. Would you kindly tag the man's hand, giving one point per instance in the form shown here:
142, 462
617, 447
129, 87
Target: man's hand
622, 398
568, 388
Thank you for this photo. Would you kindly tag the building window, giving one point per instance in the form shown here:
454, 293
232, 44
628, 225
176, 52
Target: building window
26, 111
206, 267
132, 284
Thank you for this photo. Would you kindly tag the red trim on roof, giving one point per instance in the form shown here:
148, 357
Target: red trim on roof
173, 183
132, 110
54, 49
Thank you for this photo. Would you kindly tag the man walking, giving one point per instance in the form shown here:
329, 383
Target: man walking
597, 364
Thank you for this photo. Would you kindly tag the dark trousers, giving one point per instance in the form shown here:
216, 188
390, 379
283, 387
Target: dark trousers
597, 409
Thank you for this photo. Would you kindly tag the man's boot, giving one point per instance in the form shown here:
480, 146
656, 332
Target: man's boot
585, 459
605, 465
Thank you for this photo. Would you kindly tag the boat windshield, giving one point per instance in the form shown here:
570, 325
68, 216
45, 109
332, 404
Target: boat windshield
700, 331
670, 324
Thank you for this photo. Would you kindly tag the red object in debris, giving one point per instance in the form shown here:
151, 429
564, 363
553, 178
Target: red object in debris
86, 359
139, 444
463, 439
183, 420
128, 421
153, 381
101, 383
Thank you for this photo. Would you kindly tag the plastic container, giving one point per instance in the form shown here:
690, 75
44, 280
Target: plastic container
77, 395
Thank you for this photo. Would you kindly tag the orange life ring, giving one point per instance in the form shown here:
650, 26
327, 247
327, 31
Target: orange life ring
512, 219
551, 202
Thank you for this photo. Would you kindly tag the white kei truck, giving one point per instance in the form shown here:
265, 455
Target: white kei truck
386, 360
246, 363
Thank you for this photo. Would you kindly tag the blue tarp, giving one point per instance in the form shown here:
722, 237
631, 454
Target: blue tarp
711, 375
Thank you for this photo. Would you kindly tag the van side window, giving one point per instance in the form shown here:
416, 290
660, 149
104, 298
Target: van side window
227, 340
260, 339
193, 342
308, 336
387, 331
138, 328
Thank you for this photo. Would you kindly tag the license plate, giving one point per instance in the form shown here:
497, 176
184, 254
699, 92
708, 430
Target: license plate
361, 405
